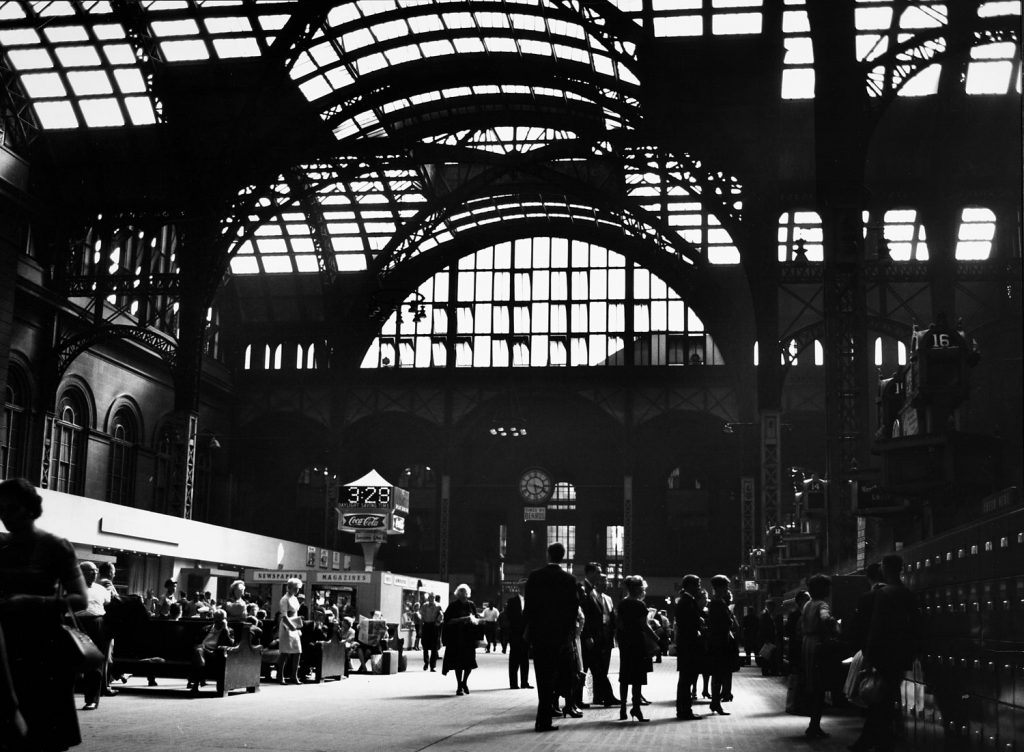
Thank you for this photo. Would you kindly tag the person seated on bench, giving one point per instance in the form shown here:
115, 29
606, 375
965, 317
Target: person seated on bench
217, 635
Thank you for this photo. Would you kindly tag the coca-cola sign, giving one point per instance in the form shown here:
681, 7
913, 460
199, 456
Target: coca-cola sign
364, 521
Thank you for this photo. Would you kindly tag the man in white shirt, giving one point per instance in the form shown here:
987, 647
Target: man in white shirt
490, 618
91, 622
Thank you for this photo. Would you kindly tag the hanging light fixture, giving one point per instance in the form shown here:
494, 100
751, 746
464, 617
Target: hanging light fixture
507, 421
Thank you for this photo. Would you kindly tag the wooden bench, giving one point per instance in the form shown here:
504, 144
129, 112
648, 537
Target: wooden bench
165, 648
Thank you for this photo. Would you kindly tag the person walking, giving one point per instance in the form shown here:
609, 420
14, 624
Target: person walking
460, 637
637, 645
90, 619
892, 644
550, 615
689, 646
430, 630
489, 616
39, 582
518, 650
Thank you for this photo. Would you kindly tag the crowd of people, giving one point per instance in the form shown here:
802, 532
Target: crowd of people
568, 628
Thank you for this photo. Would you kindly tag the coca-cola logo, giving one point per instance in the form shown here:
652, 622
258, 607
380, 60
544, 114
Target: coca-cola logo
364, 520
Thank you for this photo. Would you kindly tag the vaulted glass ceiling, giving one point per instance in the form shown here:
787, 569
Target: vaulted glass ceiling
449, 115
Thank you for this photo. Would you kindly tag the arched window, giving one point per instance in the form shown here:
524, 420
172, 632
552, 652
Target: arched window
121, 476
248, 357
67, 472
974, 238
15, 429
542, 302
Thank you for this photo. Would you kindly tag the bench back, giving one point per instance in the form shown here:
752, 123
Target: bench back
161, 638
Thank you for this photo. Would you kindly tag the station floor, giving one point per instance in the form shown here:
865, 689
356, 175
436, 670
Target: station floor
417, 710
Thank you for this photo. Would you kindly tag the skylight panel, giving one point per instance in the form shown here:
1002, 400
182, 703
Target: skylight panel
57, 34
43, 85
870, 18
227, 25
391, 30
185, 49
425, 23
357, 39
924, 83
140, 110
273, 22
736, 23
55, 114
10, 12
30, 59
469, 45
86, 83
339, 77
119, 54
177, 28
108, 31
678, 26
129, 81
437, 48
923, 17
236, 47
78, 57
16, 37
500, 44
58, 8
342, 14
104, 112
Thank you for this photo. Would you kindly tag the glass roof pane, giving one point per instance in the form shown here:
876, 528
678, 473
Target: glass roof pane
84, 83
43, 85
187, 49
59, 114
101, 112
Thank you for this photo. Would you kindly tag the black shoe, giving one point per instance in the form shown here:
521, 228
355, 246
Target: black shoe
726, 698
816, 732
717, 708
459, 691
90, 706
583, 705
571, 712
687, 717
108, 692
540, 729
513, 686
639, 716
643, 701
527, 686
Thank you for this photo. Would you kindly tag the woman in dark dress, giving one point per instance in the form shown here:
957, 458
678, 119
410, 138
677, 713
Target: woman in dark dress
722, 644
39, 582
459, 634
633, 633
704, 662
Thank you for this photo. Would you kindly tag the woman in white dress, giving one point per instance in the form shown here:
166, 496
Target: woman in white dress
289, 632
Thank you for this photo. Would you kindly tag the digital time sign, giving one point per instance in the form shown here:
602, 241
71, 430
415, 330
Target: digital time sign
373, 497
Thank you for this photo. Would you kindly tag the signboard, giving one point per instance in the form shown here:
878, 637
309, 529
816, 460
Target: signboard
373, 491
750, 585
342, 577
335, 559
535, 514
371, 536
363, 521
276, 575
310, 556
324, 554
397, 523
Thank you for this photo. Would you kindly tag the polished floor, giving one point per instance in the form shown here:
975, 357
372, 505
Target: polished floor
418, 710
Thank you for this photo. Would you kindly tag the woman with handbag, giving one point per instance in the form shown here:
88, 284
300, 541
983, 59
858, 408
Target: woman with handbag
35, 568
818, 628
637, 645
460, 635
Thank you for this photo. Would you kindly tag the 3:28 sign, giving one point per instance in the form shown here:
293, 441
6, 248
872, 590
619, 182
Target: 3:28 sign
368, 496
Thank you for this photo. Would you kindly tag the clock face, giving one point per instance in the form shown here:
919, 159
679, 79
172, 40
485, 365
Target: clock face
536, 485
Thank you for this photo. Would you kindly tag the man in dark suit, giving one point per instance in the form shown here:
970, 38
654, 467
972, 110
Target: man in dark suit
551, 606
518, 651
596, 638
688, 645
891, 645
857, 634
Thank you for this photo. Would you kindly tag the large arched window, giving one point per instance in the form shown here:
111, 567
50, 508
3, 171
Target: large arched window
543, 302
15, 427
121, 474
67, 453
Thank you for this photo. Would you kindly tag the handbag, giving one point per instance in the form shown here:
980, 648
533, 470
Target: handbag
767, 651
851, 687
76, 648
871, 687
